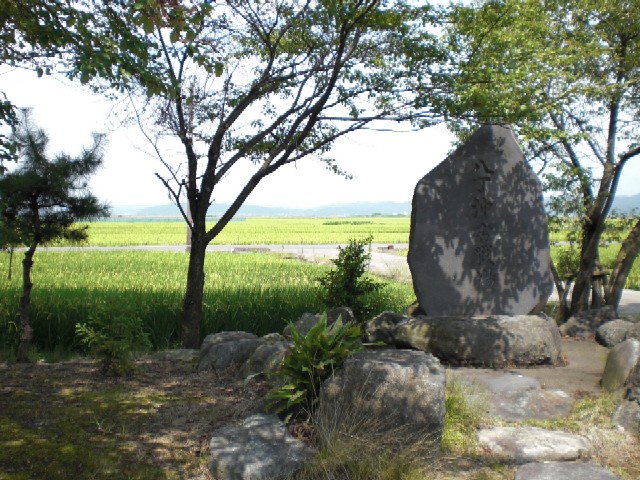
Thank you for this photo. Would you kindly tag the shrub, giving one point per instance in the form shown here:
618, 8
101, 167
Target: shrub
311, 360
112, 342
347, 285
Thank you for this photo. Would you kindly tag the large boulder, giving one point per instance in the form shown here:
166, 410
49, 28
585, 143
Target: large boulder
267, 358
611, 333
259, 448
221, 350
479, 242
395, 396
622, 360
586, 323
308, 320
493, 341
381, 327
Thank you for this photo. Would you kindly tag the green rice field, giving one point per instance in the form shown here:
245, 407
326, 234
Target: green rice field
254, 292
252, 231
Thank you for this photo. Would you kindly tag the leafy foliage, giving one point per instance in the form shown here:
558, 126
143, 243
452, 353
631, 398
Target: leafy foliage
112, 340
262, 85
347, 285
312, 359
42, 199
566, 74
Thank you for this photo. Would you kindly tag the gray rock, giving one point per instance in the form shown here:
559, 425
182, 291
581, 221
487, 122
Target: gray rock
621, 361
531, 404
498, 382
221, 350
344, 313
493, 341
267, 358
380, 328
387, 394
633, 332
563, 471
586, 323
627, 416
302, 325
308, 320
611, 333
258, 449
531, 444
478, 243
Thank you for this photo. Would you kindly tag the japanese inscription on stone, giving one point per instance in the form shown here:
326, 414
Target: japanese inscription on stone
479, 243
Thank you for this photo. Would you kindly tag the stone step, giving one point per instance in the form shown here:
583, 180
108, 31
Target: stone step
531, 444
563, 471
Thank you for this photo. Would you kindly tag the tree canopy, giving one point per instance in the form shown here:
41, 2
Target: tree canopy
42, 200
261, 84
566, 74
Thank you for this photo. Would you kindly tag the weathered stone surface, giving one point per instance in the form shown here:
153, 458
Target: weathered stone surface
531, 444
633, 332
621, 361
531, 404
563, 471
267, 358
259, 448
308, 320
397, 393
498, 382
612, 333
627, 415
493, 341
478, 243
586, 323
221, 350
302, 325
380, 328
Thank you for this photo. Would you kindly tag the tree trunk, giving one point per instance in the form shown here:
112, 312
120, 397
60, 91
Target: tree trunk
192, 304
622, 266
26, 332
561, 288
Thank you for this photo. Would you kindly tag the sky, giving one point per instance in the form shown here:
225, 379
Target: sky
385, 165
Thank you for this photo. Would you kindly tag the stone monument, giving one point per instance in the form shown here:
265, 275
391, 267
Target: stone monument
479, 241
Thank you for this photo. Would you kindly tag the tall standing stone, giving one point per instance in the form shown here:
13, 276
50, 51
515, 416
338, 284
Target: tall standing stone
479, 242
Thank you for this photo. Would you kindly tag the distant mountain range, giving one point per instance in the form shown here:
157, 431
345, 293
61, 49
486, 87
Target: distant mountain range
623, 204
217, 209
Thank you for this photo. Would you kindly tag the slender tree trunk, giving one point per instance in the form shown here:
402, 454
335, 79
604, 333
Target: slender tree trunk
589, 256
10, 263
26, 332
562, 294
192, 304
622, 266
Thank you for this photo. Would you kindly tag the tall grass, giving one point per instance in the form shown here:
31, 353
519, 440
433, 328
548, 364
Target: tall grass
254, 292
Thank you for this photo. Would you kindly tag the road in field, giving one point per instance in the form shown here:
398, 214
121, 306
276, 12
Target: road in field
384, 261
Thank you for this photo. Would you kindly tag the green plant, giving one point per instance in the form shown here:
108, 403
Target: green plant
347, 285
462, 417
112, 342
311, 360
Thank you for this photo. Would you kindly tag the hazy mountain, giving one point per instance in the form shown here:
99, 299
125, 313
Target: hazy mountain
336, 210
622, 203
626, 203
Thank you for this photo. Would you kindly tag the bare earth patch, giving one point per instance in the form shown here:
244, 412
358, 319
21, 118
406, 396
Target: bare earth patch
63, 420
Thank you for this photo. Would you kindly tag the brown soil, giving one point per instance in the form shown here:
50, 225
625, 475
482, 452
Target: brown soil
164, 414
582, 368
160, 421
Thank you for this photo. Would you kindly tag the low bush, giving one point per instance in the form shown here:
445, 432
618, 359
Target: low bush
113, 341
311, 360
